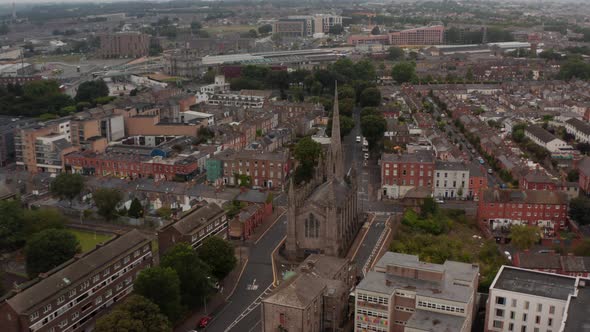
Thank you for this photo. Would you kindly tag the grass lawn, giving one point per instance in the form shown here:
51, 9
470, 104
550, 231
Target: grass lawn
229, 28
89, 240
56, 58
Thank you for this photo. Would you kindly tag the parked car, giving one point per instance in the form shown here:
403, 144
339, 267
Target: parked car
203, 322
366, 156
358, 139
439, 201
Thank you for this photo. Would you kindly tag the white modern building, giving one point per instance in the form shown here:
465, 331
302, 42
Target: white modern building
451, 180
578, 128
529, 301
545, 139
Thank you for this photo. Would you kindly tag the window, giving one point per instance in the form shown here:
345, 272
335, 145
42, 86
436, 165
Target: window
72, 293
512, 315
523, 329
537, 319
46, 308
34, 316
96, 278
63, 323
539, 307
498, 324
526, 305
551, 309
98, 300
61, 299
510, 326
550, 322
500, 300
109, 293
524, 317
312, 226
126, 260
514, 303
500, 312
75, 315
106, 272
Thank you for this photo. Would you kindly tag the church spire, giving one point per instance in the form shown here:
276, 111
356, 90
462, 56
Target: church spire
336, 163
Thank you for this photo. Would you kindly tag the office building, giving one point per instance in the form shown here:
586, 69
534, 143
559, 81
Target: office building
403, 294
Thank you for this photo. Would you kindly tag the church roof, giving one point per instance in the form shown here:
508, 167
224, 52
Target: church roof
331, 193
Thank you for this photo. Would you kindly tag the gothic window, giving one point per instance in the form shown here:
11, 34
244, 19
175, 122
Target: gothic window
312, 227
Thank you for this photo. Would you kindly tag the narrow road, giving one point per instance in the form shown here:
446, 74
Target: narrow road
256, 279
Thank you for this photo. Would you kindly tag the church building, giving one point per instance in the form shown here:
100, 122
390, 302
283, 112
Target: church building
323, 213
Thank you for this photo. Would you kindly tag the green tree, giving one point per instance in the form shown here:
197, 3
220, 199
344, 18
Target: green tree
12, 227
364, 70
370, 97
219, 255
136, 314
346, 106
573, 175
67, 186
373, 128
193, 273
196, 26
135, 209
90, 90
41, 219
346, 92
524, 237
161, 286
575, 68
429, 207
375, 30
307, 151
583, 248
395, 53
106, 201
403, 72
48, 249
265, 29
336, 29
579, 210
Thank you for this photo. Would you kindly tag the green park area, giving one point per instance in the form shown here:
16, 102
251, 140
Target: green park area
437, 235
89, 240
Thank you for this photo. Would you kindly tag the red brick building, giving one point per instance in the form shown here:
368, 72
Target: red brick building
498, 209
259, 208
432, 35
72, 296
263, 169
537, 180
130, 166
193, 227
575, 266
403, 172
478, 181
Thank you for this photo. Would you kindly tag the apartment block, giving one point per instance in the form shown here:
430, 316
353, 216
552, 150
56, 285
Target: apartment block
431, 35
124, 45
527, 301
193, 227
72, 296
403, 172
498, 209
578, 128
403, 294
8, 126
451, 180
40, 147
315, 299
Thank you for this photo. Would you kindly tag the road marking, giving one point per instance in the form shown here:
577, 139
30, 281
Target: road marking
269, 227
251, 307
253, 327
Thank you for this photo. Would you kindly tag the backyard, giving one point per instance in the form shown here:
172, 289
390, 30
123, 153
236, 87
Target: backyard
89, 240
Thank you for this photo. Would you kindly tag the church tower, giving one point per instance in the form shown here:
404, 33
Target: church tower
335, 161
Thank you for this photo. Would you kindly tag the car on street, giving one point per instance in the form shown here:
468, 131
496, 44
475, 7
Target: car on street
203, 322
508, 255
490, 171
366, 156
439, 201
358, 139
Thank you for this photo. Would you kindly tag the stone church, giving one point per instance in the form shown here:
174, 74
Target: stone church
323, 213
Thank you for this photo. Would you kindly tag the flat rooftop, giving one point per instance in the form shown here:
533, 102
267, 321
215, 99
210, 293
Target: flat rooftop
535, 283
578, 313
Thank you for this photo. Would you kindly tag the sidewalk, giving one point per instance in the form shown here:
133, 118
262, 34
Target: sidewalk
217, 301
